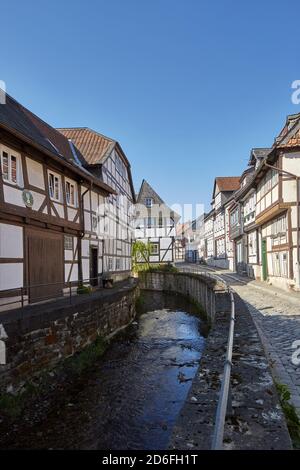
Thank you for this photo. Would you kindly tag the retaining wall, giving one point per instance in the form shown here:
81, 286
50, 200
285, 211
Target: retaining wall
41, 336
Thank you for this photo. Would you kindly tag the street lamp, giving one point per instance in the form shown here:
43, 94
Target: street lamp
296, 177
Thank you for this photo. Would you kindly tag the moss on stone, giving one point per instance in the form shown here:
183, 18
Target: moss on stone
292, 419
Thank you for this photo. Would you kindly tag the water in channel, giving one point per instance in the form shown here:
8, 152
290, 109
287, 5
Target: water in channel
134, 393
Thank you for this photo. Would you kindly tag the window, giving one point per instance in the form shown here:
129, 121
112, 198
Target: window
94, 223
71, 194
148, 202
160, 221
110, 264
68, 242
118, 264
280, 264
279, 231
150, 222
54, 186
11, 167
252, 244
154, 248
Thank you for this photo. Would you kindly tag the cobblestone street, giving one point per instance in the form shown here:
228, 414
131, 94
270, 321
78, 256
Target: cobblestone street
277, 316
279, 323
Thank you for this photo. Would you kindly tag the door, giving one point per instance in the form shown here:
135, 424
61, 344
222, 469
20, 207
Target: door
44, 265
264, 259
94, 266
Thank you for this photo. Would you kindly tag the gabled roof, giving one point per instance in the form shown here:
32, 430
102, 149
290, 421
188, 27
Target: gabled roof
290, 134
227, 183
258, 154
30, 128
94, 146
146, 191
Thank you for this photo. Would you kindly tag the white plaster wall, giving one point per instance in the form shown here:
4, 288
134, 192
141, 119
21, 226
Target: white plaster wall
60, 209
85, 268
291, 162
72, 214
85, 247
38, 200
11, 275
35, 173
13, 195
11, 241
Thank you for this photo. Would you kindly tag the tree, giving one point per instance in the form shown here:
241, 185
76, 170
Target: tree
140, 255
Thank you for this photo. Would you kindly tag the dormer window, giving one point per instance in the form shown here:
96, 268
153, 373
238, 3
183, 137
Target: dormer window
10, 166
148, 202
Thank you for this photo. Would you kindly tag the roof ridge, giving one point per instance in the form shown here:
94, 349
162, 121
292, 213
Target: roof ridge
88, 129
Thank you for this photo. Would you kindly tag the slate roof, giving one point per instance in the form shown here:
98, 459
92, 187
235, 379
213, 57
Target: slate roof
258, 154
146, 191
289, 135
17, 119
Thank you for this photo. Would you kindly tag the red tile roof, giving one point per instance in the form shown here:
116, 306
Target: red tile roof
94, 146
228, 183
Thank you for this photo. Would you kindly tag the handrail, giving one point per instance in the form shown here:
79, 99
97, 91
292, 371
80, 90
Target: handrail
218, 435
223, 402
23, 291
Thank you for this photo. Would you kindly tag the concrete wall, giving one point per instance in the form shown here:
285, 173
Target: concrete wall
39, 337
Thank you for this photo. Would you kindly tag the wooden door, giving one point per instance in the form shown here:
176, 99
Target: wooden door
45, 265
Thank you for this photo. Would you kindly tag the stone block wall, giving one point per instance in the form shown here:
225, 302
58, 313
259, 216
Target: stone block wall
39, 337
198, 287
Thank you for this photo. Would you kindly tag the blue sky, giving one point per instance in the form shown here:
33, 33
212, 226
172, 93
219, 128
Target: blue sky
187, 87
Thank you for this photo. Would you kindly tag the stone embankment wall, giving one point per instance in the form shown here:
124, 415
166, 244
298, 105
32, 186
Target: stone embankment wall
40, 336
204, 290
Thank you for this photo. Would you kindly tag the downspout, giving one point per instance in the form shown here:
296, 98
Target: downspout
80, 277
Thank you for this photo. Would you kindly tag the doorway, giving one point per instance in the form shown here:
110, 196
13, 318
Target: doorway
44, 264
264, 259
93, 266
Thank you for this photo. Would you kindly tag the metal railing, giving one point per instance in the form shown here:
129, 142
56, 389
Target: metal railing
64, 290
224, 402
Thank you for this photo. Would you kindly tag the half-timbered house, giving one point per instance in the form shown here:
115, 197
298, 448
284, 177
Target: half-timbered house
277, 208
112, 222
43, 195
155, 224
215, 230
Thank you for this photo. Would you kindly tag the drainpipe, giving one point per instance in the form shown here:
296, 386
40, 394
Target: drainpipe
297, 178
80, 277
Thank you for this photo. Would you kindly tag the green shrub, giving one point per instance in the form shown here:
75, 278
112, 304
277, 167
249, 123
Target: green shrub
84, 290
86, 358
292, 419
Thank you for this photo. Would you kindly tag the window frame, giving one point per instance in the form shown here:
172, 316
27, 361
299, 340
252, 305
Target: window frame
11, 153
58, 176
71, 183
152, 244
149, 202
69, 238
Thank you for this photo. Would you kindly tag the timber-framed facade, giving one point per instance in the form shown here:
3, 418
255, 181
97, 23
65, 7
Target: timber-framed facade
155, 224
42, 180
